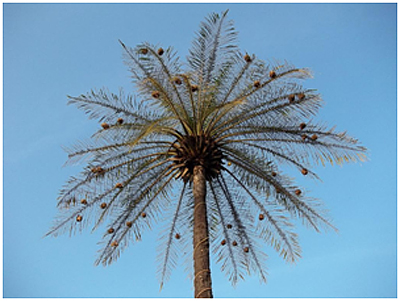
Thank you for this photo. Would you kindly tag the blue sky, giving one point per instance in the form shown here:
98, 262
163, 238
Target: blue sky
51, 51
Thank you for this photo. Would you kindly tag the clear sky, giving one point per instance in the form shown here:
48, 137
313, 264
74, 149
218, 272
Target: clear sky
54, 50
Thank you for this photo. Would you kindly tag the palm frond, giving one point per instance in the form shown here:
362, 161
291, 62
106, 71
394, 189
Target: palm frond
292, 203
133, 213
278, 231
154, 75
106, 106
212, 48
168, 248
225, 254
244, 236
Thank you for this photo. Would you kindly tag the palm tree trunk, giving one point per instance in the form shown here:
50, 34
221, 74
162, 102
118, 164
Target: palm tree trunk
201, 244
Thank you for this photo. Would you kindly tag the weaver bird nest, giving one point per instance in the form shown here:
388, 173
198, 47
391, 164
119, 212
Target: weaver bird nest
192, 150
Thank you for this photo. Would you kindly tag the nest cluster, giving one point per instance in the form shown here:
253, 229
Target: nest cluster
191, 150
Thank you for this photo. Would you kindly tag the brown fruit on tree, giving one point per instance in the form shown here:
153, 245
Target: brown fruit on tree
297, 192
246, 250
144, 51
301, 96
234, 243
257, 84
84, 202
272, 74
144, 214
119, 185
223, 242
160, 51
177, 236
103, 205
304, 171
314, 137
105, 125
302, 126
79, 218
195, 88
120, 121
111, 230
261, 217
229, 226
114, 243
291, 97
129, 224
247, 58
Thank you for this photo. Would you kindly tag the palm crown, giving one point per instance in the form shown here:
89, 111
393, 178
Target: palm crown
238, 118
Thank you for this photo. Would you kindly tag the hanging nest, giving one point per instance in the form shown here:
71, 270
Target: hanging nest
272, 74
223, 243
177, 236
302, 126
160, 51
144, 214
297, 191
103, 205
301, 96
257, 84
195, 88
261, 217
234, 243
144, 51
114, 243
120, 121
304, 137
83, 202
247, 58
273, 174
177, 80
105, 125
129, 224
79, 218
111, 231
229, 226
304, 171
314, 137
291, 97
246, 249
119, 185
155, 94
97, 169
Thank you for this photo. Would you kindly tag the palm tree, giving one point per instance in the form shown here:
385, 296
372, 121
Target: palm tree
200, 146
